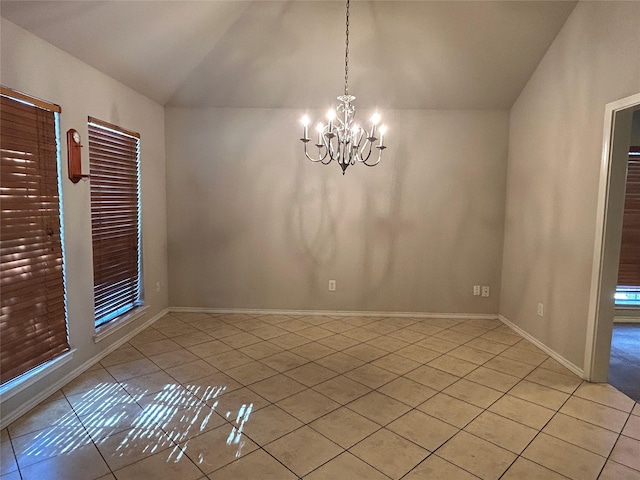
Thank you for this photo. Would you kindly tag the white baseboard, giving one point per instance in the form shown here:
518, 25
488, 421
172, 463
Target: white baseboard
47, 392
332, 313
552, 353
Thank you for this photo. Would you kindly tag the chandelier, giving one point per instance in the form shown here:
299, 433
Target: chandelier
341, 139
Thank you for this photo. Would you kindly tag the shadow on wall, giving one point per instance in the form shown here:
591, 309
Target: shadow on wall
332, 217
314, 237
383, 225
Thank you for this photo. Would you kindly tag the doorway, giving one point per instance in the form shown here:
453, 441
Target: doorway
615, 154
624, 361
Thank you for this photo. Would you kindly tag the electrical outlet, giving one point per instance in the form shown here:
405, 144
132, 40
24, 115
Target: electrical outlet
158, 287
485, 291
332, 285
540, 310
476, 290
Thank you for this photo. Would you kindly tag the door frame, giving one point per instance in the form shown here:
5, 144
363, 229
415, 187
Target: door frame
606, 256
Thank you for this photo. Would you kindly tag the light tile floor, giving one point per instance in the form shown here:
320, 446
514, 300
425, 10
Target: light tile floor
199, 396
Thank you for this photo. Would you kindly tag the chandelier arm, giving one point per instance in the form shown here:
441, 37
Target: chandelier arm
328, 153
315, 160
377, 161
364, 159
360, 137
330, 148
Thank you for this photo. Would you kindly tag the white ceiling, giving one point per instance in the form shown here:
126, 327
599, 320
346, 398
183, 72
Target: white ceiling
415, 54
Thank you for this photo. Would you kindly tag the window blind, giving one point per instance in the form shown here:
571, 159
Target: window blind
629, 268
115, 219
33, 326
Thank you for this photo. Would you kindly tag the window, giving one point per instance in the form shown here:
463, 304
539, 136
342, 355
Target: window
628, 291
114, 168
627, 296
33, 323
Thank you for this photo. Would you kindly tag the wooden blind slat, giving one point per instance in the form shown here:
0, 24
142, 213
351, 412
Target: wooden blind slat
114, 170
33, 326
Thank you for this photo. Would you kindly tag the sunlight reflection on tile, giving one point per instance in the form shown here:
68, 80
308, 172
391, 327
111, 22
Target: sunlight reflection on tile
143, 439
100, 396
172, 395
188, 423
50, 442
228, 406
236, 432
133, 445
108, 419
218, 447
57, 412
111, 395
206, 393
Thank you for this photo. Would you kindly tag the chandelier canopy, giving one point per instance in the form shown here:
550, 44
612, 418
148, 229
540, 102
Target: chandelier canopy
341, 139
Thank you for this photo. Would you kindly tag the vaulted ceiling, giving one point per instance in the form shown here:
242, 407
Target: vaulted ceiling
229, 53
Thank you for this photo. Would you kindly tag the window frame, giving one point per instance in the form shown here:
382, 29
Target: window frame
109, 171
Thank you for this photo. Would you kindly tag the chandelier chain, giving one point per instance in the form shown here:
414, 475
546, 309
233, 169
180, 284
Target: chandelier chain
346, 54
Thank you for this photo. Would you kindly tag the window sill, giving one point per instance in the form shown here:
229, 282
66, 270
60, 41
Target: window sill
627, 314
24, 381
118, 323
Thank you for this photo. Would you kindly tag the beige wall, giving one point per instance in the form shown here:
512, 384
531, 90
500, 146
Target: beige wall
555, 148
37, 68
253, 224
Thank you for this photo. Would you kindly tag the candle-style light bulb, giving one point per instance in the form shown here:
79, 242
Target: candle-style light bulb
383, 130
375, 118
355, 130
319, 128
331, 115
305, 123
